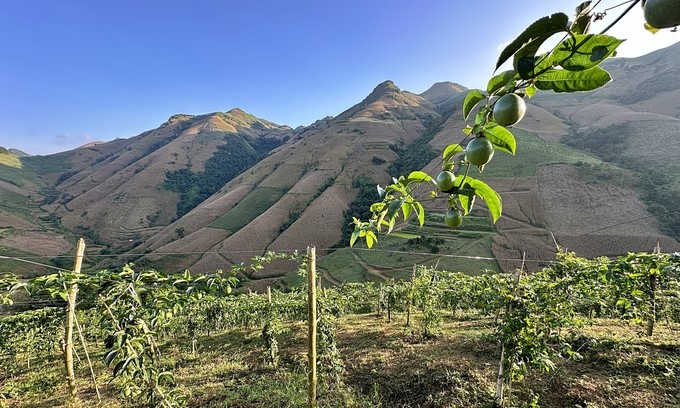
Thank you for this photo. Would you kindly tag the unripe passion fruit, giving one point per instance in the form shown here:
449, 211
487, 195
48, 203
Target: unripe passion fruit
662, 13
479, 151
446, 180
453, 218
509, 109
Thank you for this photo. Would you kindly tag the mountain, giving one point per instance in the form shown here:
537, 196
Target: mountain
297, 195
594, 172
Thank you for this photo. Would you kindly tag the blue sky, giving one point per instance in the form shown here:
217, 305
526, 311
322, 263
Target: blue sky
79, 71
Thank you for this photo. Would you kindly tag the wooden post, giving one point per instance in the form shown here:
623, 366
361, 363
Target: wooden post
500, 380
311, 297
652, 296
269, 294
70, 317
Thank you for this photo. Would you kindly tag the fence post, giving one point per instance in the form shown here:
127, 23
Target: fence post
311, 297
70, 317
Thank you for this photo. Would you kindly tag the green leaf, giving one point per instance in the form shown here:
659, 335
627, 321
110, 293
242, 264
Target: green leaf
355, 236
419, 176
573, 81
471, 100
582, 52
530, 91
499, 81
492, 199
528, 64
451, 150
393, 208
370, 239
467, 201
406, 210
500, 137
541, 28
420, 211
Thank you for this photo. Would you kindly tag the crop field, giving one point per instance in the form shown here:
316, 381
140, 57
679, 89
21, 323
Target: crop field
254, 204
433, 340
435, 244
533, 152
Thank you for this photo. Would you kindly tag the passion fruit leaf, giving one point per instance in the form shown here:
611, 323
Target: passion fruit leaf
540, 29
530, 91
467, 201
561, 80
581, 23
420, 212
419, 176
451, 150
406, 209
471, 100
492, 199
393, 208
500, 137
499, 81
370, 239
582, 52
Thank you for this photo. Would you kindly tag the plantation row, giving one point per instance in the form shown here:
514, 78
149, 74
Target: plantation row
130, 312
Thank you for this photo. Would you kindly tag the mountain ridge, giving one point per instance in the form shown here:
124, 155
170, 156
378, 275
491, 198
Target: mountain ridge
220, 187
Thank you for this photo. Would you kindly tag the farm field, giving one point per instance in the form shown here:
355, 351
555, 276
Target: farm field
580, 333
387, 365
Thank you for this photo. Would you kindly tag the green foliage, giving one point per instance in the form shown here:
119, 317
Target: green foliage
359, 208
231, 159
258, 201
533, 318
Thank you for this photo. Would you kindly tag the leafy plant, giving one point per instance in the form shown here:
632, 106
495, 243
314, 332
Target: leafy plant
571, 66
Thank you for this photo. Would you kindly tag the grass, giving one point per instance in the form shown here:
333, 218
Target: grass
532, 152
10, 160
393, 256
386, 365
254, 204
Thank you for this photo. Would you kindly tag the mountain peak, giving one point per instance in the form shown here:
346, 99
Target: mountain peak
442, 91
384, 88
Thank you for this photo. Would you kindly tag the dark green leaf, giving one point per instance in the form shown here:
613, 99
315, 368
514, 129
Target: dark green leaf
467, 201
355, 236
500, 137
471, 100
541, 28
573, 81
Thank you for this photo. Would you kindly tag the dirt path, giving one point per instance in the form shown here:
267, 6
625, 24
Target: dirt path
330, 278
370, 269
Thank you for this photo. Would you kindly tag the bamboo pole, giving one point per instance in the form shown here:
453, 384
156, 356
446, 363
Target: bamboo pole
311, 277
269, 294
70, 317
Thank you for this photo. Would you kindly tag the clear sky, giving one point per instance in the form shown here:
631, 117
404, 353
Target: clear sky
74, 71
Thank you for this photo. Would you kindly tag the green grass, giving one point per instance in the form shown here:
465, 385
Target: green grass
42, 165
10, 160
387, 364
393, 256
254, 204
532, 152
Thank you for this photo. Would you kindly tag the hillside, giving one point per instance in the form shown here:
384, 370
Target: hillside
594, 172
